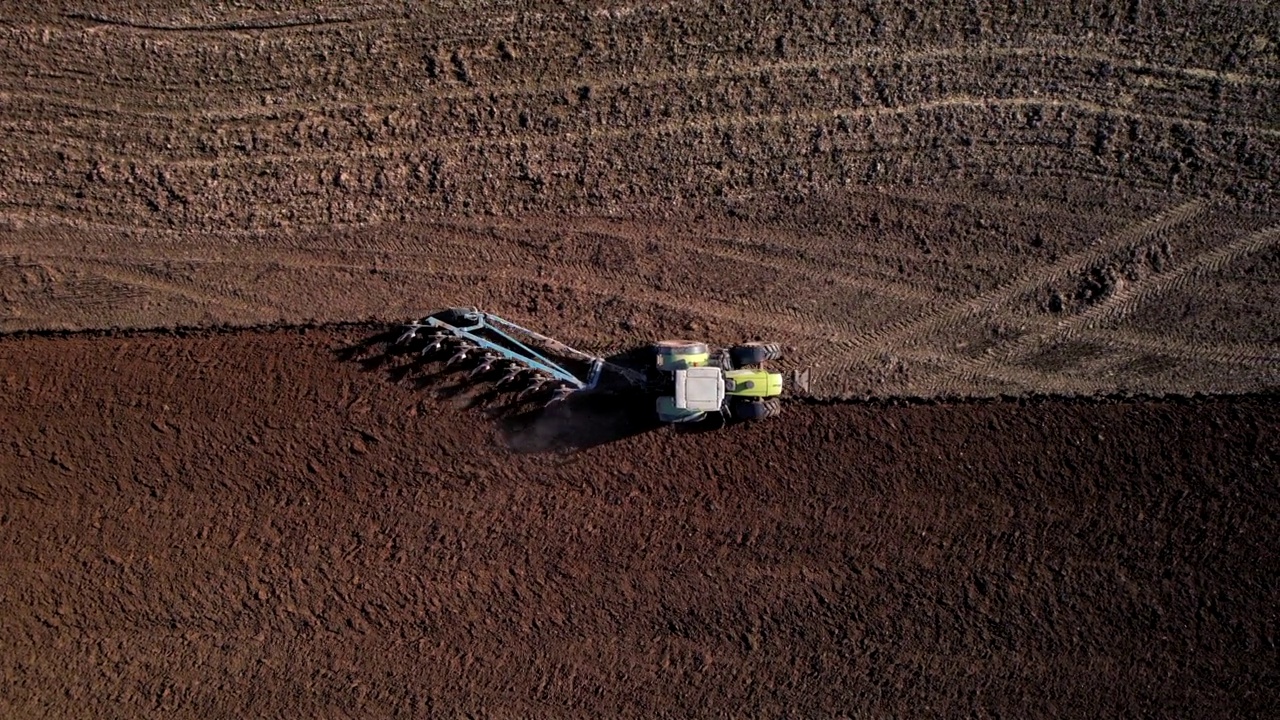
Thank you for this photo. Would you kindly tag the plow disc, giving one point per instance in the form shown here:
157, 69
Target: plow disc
495, 345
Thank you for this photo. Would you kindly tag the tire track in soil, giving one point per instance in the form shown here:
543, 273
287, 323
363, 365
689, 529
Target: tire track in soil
294, 24
20, 220
925, 195
896, 338
792, 326
872, 56
1261, 356
49, 306
293, 247
678, 293
472, 249
230, 27
386, 150
120, 272
581, 275
94, 290
1001, 360
764, 311
731, 248
675, 296
896, 291
865, 346
261, 259
1123, 301
492, 263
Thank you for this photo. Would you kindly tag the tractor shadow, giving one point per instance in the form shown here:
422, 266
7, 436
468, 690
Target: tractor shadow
584, 420
616, 409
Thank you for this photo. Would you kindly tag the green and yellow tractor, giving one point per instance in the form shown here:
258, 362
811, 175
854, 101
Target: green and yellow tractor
734, 382
692, 381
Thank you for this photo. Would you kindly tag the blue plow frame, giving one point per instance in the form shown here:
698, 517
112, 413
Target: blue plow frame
518, 350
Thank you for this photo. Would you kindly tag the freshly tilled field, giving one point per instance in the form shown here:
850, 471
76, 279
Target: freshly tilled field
242, 524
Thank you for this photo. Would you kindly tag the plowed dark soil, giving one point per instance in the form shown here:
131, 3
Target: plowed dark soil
245, 525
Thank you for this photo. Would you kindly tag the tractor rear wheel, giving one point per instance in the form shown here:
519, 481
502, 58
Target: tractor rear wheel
754, 353
757, 409
674, 355
679, 347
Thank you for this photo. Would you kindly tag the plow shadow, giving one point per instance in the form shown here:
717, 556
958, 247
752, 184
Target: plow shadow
615, 409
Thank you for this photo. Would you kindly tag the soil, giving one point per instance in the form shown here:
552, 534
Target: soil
930, 199
248, 524
924, 203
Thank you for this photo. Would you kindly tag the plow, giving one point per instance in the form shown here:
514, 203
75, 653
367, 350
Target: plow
690, 381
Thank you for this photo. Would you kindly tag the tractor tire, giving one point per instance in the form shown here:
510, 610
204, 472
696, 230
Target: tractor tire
679, 347
752, 410
672, 355
754, 353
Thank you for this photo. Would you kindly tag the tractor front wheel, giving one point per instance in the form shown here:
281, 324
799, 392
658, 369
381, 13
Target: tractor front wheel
757, 409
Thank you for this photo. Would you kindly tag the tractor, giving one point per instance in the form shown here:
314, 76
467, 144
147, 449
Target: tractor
692, 382
733, 382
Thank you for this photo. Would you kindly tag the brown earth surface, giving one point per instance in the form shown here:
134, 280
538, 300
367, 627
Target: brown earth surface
936, 199
248, 525
921, 199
